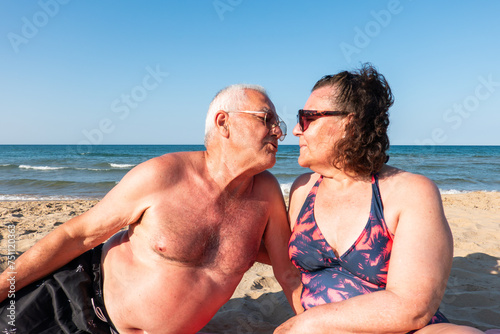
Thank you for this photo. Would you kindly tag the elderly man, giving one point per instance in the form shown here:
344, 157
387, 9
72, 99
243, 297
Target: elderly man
196, 221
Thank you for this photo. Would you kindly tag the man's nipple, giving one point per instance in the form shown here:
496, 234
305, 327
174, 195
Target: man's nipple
160, 247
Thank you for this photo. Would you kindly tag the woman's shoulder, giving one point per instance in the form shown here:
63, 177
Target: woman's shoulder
304, 182
299, 191
409, 198
398, 183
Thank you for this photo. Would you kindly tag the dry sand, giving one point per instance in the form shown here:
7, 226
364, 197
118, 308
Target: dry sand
258, 305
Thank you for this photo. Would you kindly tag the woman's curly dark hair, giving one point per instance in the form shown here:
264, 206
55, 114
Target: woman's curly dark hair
366, 95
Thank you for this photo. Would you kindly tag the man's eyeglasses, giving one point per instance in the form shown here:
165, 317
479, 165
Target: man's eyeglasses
270, 120
304, 116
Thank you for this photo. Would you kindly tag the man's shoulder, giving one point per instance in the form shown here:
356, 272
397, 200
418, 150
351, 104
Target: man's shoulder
266, 179
170, 166
266, 185
266, 176
172, 161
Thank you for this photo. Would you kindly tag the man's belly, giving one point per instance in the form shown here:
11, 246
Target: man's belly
159, 296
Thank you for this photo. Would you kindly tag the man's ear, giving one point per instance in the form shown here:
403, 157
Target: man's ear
222, 123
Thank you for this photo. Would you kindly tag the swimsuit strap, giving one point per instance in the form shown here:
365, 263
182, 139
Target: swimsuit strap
377, 205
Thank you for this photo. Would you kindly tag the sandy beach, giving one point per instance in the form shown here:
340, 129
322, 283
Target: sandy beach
258, 305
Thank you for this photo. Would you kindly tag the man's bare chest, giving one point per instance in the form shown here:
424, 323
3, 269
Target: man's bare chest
227, 238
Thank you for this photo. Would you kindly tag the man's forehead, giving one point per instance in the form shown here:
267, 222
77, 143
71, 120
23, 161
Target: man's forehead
258, 101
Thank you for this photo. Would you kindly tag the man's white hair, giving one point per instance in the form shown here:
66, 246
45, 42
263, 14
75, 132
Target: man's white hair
230, 98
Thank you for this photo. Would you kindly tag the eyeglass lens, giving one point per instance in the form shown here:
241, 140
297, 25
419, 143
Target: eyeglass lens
273, 122
304, 114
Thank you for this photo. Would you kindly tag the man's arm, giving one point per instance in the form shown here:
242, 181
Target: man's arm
419, 268
276, 237
122, 206
263, 256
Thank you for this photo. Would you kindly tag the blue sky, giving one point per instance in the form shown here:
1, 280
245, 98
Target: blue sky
144, 72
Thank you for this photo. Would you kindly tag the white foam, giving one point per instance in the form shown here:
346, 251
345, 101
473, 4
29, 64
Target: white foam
452, 191
285, 189
121, 165
22, 197
455, 191
40, 167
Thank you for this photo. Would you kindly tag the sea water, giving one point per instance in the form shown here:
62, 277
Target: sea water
37, 172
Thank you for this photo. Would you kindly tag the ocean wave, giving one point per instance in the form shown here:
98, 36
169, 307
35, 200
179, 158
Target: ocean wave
455, 191
7, 166
122, 166
41, 167
54, 184
26, 197
101, 170
113, 168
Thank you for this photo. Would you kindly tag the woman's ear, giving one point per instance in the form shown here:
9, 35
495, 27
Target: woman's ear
345, 121
349, 118
222, 123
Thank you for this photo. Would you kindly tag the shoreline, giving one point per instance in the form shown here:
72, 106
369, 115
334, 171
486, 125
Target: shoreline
285, 189
259, 305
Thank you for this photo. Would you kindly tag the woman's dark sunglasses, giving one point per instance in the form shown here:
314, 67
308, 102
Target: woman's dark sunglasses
303, 115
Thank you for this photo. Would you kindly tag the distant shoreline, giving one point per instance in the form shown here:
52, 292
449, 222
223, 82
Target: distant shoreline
31, 198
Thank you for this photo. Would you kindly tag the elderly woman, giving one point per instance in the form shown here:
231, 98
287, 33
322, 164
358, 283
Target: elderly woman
371, 241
